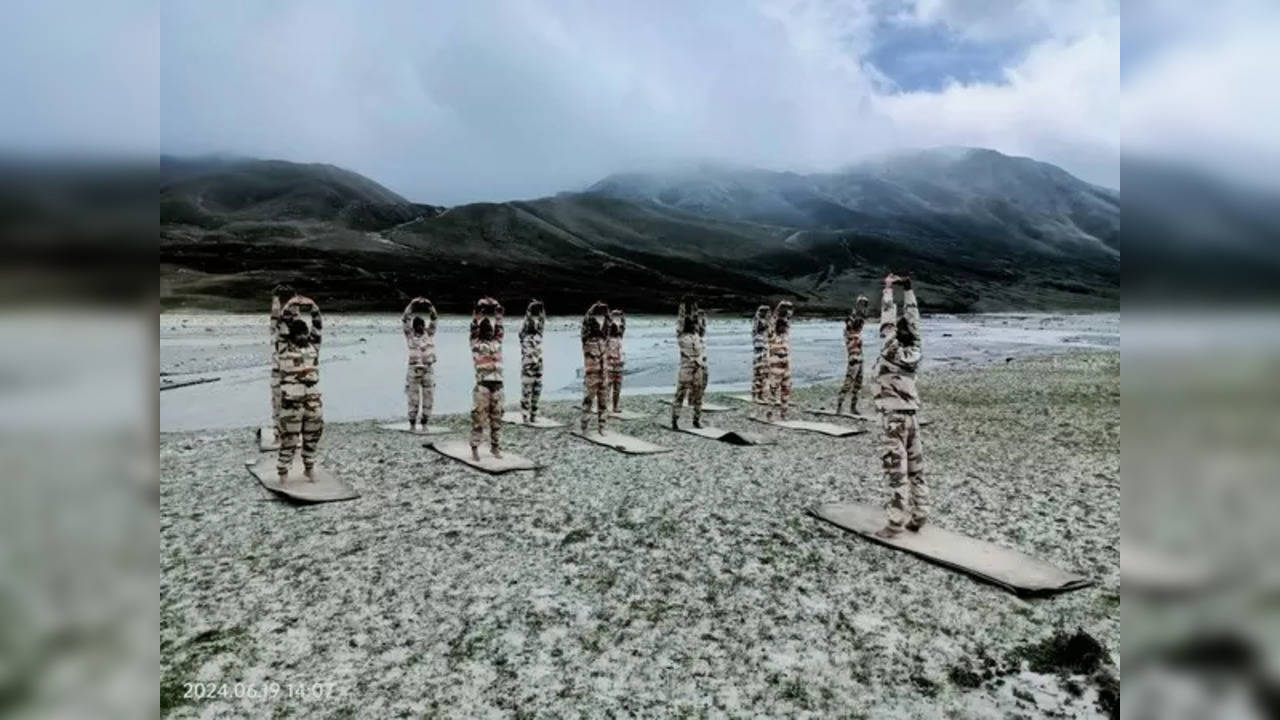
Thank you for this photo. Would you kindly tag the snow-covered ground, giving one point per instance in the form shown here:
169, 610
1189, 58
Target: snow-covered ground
363, 358
689, 584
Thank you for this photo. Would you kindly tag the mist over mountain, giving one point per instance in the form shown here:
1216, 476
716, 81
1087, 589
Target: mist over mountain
936, 194
979, 230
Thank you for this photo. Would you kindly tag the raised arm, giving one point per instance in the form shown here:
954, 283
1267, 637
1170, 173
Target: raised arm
406, 318
911, 309
687, 308
888, 309
275, 314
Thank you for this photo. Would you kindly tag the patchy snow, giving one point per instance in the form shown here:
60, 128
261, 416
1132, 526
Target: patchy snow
687, 583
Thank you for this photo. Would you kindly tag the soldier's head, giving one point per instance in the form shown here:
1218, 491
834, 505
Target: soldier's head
762, 318
488, 317
419, 325
299, 333
782, 316
283, 292
615, 323
860, 305
533, 317
690, 324
905, 335
598, 318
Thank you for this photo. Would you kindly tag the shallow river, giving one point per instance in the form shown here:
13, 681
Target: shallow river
363, 359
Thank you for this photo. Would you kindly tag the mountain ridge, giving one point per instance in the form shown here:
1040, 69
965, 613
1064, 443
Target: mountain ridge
981, 231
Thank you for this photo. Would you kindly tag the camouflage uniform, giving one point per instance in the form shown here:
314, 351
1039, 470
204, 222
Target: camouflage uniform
760, 352
779, 393
706, 368
853, 349
276, 349
419, 380
897, 399
301, 411
486, 355
531, 359
613, 356
594, 348
691, 378
298, 307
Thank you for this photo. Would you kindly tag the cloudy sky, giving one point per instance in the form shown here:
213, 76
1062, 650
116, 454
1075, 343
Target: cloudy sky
449, 102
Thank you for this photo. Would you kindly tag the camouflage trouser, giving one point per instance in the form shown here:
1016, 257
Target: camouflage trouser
420, 391
486, 411
690, 381
759, 376
904, 466
275, 399
779, 393
852, 384
530, 389
595, 393
301, 422
614, 378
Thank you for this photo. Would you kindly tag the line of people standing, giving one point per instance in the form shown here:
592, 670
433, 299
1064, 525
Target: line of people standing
297, 409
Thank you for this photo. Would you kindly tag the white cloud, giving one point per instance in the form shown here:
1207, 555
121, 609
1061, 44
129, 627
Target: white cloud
1060, 104
1205, 95
495, 100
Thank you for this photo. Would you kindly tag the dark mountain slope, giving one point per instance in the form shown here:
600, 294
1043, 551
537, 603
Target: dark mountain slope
962, 193
232, 228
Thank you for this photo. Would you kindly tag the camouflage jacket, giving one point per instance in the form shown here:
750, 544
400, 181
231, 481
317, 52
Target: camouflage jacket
487, 354
692, 346
895, 385
616, 328
594, 342
760, 333
302, 308
299, 371
531, 341
422, 348
853, 337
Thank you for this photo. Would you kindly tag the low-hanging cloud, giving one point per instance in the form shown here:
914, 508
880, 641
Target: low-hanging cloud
455, 102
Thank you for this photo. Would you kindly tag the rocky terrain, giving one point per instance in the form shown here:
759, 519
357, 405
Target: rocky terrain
687, 584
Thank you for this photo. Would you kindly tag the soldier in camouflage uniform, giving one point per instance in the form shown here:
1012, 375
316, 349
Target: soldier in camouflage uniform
706, 368
298, 307
301, 411
594, 348
419, 381
280, 295
898, 401
853, 349
535, 321
613, 356
779, 394
760, 353
486, 355
691, 378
